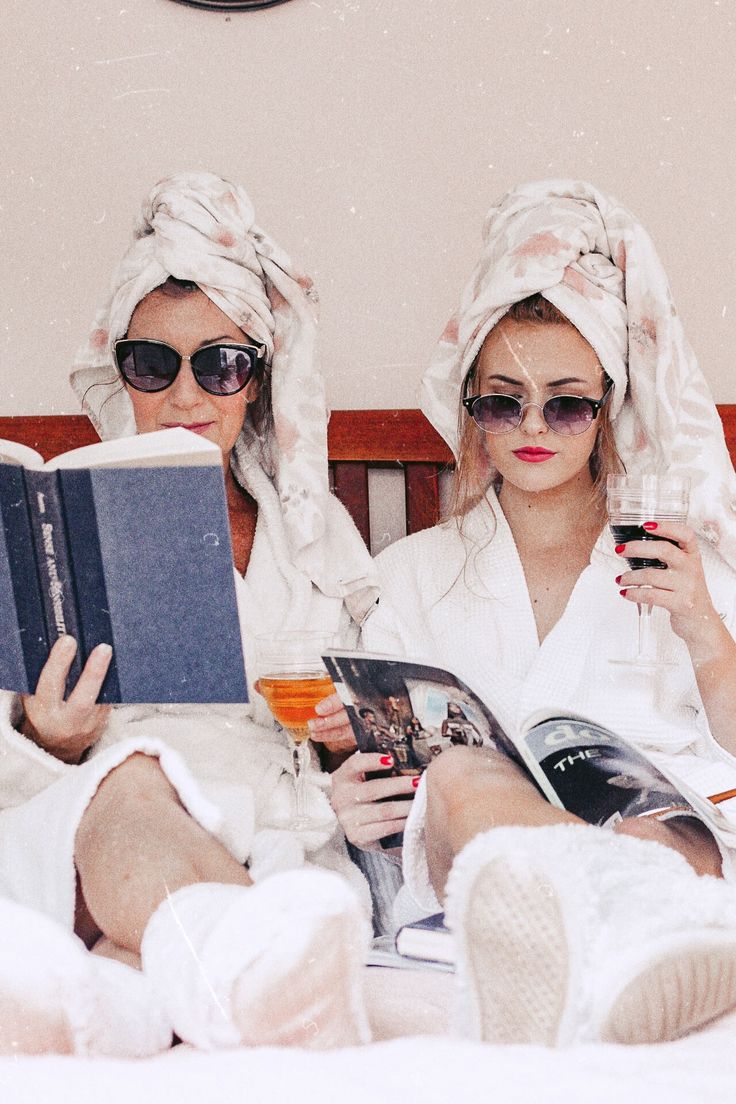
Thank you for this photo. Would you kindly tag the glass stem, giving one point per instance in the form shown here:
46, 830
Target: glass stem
302, 757
645, 632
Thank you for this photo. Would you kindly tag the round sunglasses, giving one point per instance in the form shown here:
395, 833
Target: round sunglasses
220, 369
566, 415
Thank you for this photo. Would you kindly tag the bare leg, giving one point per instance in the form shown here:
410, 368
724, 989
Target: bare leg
136, 844
684, 834
470, 790
214, 954
105, 948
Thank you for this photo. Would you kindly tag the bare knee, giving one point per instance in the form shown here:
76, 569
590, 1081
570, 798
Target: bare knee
687, 835
456, 775
139, 779
140, 775
132, 792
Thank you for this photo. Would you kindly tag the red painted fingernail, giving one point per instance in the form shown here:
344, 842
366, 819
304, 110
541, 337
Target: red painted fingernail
622, 593
415, 782
387, 760
649, 525
619, 578
619, 548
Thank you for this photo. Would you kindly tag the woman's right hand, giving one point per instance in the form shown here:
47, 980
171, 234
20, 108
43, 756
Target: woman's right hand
67, 728
364, 817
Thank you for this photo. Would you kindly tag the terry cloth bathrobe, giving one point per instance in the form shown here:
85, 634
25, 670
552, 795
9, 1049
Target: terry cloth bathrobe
230, 765
461, 600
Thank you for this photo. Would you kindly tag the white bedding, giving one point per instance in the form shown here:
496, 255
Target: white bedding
426, 1070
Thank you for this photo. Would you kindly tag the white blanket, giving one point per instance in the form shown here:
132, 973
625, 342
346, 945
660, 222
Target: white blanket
426, 1070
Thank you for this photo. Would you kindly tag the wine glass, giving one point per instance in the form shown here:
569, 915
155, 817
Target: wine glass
632, 500
293, 679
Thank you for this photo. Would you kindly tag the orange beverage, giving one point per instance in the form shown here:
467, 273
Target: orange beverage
292, 697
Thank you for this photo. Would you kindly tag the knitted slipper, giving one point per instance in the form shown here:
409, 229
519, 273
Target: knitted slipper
569, 934
278, 963
55, 997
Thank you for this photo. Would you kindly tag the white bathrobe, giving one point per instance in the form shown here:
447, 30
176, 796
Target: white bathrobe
230, 764
465, 605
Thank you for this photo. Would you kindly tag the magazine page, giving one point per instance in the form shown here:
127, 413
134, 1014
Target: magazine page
601, 777
411, 710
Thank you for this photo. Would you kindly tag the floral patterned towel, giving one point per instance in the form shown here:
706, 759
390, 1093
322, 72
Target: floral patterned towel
197, 226
595, 262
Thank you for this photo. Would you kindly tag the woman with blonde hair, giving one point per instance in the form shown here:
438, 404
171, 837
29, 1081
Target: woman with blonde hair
566, 362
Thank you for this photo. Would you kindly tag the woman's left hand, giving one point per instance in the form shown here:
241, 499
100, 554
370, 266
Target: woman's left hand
332, 727
680, 587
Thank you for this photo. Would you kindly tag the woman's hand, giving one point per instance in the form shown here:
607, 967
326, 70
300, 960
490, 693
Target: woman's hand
332, 727
67, 728
364, 817
681, 588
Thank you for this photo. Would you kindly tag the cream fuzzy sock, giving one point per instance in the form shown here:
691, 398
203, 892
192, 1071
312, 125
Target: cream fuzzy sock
57, 997
570, 934
277, 963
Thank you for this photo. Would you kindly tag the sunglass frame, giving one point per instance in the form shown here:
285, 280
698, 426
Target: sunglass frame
256, 370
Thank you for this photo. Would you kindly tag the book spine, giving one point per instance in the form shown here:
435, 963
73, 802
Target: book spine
83, 535
24, 575
54, 565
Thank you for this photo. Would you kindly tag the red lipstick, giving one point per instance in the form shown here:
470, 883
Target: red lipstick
194, 427
533, 455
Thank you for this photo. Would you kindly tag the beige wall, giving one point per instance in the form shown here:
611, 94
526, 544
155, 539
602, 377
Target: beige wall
372, 136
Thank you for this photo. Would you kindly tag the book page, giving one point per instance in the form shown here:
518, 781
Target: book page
11, 452
163, 448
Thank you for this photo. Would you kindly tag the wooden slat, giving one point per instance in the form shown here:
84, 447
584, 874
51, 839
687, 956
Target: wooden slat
350, 484
371, 435
387, 435
49, 434
728, 417
357, 440
422, 496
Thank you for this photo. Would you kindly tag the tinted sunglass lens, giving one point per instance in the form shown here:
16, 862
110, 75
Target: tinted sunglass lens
222, 370
497, 413
568, 415
145, 366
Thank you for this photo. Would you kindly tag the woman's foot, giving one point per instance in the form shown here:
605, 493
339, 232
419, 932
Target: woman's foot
275, 964
57, 998
571, 934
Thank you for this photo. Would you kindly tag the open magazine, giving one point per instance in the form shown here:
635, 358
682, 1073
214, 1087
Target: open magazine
414, 712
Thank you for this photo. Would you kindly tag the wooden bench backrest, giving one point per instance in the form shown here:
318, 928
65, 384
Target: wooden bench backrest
358, 441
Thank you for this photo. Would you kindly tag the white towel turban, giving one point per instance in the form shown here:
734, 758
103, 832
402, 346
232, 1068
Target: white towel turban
594, 261
196, 226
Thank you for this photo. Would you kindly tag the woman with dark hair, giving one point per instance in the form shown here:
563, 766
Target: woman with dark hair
566, 362
162, 832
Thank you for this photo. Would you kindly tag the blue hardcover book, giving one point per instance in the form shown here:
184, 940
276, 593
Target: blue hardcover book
127, 543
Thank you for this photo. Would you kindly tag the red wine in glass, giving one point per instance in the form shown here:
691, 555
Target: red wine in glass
632, 501
623, 533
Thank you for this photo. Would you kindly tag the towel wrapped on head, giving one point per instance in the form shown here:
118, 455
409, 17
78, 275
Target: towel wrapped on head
198, 227
592, 259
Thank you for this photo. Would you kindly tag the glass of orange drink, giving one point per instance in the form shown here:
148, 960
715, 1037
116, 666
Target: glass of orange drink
292, 678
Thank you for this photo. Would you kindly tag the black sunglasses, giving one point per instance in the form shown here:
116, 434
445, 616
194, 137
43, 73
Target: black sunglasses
221, 369
566, 415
